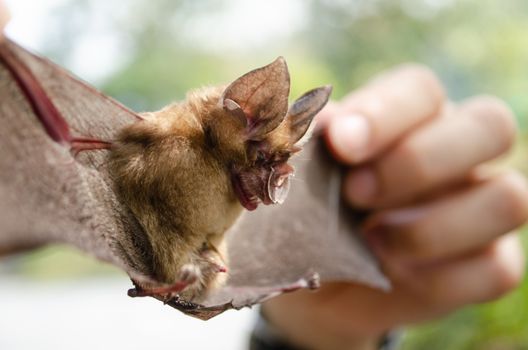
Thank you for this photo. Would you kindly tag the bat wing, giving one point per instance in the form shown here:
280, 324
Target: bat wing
50, 195
311, 231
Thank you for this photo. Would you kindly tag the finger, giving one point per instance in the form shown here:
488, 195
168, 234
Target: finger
4, 18
484, 276
451, 225
432, 292
334, 310
380, 113
435, 154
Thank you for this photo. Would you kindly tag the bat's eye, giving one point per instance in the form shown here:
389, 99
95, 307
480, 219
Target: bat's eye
261, 157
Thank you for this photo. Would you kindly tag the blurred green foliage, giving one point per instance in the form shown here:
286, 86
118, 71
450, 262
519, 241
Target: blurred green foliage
55, 262
476, 46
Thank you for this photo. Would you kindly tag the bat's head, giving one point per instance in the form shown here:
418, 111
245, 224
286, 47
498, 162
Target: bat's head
267, 132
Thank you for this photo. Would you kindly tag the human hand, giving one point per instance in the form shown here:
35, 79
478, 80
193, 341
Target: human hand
439, 223
4, 18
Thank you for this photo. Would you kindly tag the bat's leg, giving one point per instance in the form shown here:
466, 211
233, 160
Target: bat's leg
165, 290
189, 275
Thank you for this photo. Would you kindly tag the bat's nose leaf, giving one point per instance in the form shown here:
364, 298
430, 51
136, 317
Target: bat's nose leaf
278, 187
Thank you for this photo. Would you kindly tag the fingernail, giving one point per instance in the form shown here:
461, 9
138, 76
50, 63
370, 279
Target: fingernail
349, 136
362, 186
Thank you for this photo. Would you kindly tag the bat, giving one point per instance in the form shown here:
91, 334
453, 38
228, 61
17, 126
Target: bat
188, 170
84, 145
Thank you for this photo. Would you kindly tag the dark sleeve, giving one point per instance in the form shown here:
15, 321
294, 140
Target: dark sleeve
264, 337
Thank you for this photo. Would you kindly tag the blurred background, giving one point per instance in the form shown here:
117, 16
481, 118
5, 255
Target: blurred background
149, 53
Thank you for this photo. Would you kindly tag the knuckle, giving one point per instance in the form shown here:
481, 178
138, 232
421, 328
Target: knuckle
399, 186
410, 156
497, 116
411, 241
416, 246
513, 189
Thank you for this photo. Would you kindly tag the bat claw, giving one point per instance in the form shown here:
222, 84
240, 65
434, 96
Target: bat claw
214, 258
157, 291
133, 292
221, 268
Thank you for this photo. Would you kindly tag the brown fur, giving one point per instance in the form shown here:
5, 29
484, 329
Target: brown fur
175, 168
176, 186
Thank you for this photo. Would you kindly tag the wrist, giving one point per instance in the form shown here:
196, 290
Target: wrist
272, 333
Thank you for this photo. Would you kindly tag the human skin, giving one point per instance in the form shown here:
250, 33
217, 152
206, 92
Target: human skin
441, 222
450, 243
4, 18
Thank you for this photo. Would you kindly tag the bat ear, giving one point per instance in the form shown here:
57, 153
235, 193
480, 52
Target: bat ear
259, 98
303, 110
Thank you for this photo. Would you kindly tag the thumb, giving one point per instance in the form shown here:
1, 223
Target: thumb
384, 111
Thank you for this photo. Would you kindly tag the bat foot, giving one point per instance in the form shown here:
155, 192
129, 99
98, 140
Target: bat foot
213, 258
189, 275
215, 265
166, 291
80, 144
